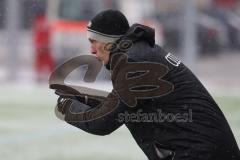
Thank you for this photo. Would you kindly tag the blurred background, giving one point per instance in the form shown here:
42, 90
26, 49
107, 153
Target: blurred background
38, 35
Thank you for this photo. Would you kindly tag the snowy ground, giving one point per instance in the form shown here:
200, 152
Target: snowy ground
30, 130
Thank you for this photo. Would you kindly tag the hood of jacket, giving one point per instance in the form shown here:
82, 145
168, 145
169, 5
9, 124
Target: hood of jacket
136, 33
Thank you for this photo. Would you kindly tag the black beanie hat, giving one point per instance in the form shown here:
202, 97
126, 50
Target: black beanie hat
107, 26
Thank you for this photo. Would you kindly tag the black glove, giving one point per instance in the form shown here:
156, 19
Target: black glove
65, 91
68, 92
67, 104
72, 100
64, 94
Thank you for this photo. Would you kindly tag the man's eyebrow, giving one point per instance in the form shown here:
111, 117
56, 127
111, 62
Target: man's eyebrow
91, 40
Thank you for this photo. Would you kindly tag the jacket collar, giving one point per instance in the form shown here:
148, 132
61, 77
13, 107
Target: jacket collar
136, 32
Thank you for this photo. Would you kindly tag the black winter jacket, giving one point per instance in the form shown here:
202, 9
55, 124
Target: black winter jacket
166, 108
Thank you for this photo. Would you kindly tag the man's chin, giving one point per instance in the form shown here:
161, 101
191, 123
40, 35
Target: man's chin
100, 60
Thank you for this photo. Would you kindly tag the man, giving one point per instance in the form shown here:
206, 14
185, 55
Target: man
167, 110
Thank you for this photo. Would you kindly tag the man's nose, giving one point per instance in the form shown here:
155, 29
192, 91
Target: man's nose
93, 50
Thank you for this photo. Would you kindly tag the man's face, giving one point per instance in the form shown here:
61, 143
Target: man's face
98, 48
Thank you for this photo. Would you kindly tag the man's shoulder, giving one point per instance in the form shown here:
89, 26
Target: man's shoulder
142, 52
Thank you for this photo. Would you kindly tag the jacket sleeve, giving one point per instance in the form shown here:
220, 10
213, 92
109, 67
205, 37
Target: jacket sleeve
101, 119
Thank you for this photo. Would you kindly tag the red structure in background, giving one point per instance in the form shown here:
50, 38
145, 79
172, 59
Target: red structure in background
225, 3
44, 62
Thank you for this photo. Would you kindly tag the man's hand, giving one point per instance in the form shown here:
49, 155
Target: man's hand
71, 101
66, 95
65, 105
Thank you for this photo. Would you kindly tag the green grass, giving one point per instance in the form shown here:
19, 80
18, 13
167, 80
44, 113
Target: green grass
30, 130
